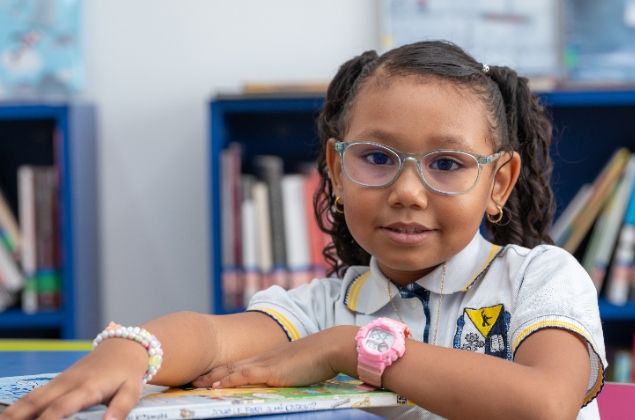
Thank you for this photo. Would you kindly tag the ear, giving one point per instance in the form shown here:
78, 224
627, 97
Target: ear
334, 165
504, 181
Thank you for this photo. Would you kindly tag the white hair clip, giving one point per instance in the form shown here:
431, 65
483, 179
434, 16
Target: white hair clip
485, 68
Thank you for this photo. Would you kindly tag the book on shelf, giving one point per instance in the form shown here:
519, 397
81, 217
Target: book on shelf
263, 219
249, 231
280, 241
620, 275
11, 276
230, 164
561, 226
177, 403
10, 234
601, 190
38, 206
47, 238
296, 230
26, 210
607, 227
270, 169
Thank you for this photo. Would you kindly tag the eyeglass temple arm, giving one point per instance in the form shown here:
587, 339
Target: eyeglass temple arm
484, 160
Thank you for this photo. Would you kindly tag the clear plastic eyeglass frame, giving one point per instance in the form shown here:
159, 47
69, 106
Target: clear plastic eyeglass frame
417, 158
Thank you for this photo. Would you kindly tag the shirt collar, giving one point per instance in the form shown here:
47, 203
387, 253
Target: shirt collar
367, 291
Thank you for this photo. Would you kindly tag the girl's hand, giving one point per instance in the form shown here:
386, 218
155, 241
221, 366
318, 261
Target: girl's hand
302, 362
111, 375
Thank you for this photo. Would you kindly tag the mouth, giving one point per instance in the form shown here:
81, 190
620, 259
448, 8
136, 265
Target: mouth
407, 230
407, 227
407, 234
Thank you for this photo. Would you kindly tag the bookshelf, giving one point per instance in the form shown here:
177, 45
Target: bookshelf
283, 126
589, 126
63, 134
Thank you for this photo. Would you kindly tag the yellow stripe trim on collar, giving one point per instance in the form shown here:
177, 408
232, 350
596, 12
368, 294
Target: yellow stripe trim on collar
571, 327
492, 253
288, 326
351, 300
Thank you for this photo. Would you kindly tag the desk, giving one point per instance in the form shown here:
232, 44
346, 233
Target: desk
51, 357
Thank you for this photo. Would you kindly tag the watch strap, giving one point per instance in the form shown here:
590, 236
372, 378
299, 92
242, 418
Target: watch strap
369, 374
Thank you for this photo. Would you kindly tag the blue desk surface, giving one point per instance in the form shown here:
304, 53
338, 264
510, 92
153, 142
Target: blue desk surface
17, 363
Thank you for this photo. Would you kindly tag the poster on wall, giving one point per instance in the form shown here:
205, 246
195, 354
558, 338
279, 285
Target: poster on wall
40, 49
524, 35
600, 41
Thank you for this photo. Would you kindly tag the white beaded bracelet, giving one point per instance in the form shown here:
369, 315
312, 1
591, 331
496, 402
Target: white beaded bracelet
141, 336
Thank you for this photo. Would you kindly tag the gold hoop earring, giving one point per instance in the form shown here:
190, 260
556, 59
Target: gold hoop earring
498, 218
339, 207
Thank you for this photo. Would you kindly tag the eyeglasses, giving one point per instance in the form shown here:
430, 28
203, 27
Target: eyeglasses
446, 171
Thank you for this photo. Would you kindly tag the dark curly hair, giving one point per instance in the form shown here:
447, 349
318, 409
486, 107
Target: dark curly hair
518, 122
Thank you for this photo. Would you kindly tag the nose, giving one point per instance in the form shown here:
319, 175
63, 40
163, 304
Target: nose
408, 189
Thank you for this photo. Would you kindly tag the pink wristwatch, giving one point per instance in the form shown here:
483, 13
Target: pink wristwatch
379, 344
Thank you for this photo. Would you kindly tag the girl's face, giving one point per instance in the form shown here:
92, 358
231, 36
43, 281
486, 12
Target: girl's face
408, 228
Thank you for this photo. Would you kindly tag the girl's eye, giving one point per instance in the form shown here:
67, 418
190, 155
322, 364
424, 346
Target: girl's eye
378, 158
446, 163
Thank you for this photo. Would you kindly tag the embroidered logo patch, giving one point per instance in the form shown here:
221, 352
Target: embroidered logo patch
484, 330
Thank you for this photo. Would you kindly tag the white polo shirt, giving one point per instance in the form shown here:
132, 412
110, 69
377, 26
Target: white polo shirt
493, 298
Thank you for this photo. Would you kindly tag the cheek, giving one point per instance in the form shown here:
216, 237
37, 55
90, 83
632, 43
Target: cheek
461, 212
360, 209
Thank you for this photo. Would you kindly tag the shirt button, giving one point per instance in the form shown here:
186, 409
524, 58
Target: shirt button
413, 303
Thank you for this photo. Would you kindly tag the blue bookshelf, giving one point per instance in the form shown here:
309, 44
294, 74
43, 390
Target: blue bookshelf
283, 126
63, 134
589, 126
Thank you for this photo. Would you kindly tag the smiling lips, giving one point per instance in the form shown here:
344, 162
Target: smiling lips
407, 234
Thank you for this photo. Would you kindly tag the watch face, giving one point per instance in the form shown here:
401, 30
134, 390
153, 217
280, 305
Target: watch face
379, 340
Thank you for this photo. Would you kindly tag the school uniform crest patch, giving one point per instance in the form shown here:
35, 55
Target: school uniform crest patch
484, 330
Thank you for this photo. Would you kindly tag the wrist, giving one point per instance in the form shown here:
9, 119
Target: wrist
343, 356
379, 343
143, 338
125, 354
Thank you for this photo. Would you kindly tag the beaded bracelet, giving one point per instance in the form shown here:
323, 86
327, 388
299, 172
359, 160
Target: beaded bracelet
141, 336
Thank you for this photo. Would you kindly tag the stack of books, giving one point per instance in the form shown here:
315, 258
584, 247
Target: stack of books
599, 225
30, 257
269, 232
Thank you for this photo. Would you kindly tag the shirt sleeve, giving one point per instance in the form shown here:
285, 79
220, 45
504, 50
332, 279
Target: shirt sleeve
302, 311
556, 292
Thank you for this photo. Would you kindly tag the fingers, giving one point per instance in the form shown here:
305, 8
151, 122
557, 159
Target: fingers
47, 403
236, 374
30, 405
245, 375
71, 402
124, 400
42, 405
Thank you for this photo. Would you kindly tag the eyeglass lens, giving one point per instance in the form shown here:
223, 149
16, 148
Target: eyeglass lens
375, 165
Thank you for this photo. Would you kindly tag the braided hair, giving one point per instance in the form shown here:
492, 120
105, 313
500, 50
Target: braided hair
518, 123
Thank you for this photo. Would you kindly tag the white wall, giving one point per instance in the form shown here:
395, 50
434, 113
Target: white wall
152, 67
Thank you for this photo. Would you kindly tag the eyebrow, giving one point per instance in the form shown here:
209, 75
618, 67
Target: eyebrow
442, 141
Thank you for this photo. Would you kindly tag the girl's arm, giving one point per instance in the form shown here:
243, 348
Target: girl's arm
194, 343
111, 374
548, 378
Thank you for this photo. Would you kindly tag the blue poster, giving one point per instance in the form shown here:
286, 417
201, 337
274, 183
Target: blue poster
40, 48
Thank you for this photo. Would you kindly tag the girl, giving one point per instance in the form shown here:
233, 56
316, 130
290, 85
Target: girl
418, 146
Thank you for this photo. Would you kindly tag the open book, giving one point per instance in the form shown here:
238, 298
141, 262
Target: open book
193, 403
